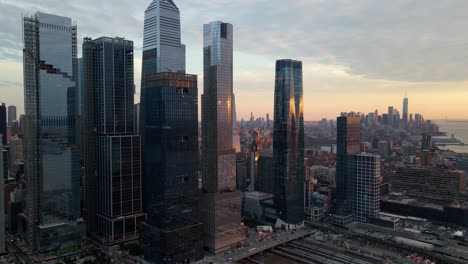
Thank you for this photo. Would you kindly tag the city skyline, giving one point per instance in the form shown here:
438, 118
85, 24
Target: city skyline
352, 76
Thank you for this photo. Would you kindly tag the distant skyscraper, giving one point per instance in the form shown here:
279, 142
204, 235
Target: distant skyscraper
169, 129
405, 111
235, 128
348, 144
366, 187
3, 123
220, 203
52, 160
11, 114
114, 176
390, 115
2, 209
162, 48
288, 142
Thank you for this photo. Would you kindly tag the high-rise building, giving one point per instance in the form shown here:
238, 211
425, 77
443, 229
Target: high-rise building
348, 144
162, 48
220, 202
113, 177
2, 209
366, 187
3, 123
288, 142
235, 128
52, 159
11, 114
405, 111
390, 115
169, 129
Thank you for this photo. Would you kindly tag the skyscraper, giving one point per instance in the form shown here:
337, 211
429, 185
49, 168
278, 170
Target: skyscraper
390, 115
2, 209
348, 144
366, 187
220, 202
162, 48
114, 176
169, 129
3, 123
288, 142
405, 112
11, 114
52, 168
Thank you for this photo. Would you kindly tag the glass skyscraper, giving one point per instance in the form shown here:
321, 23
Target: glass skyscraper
162, 48
113, 151
220, 202
3, 122
52, 168
169, 129
288, 142
348, 139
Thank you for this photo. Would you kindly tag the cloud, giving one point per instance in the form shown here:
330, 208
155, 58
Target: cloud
361, 47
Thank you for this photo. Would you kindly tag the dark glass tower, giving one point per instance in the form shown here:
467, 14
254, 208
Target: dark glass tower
348, 144
113, 151
52, 159
288, 142
169, 129
3, 123
220, 202
11, 115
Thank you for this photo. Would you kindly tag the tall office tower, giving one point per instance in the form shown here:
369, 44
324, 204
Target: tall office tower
169, 129
2, 209
390, 115
288, 142
268, 120
162, 49
52, 159
348, 143
11, 114
220, 202
366, 188
405, 112
3, 123
114, 176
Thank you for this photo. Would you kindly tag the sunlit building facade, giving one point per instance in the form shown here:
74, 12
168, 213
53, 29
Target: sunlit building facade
348, 144
220, 202
162, 48
52, 159
288, 142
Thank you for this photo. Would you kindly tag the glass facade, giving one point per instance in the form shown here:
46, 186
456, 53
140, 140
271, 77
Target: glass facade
348, 144
169, 129
52, 167
162, 48
112, 151
220, 203
288, 142
3, 123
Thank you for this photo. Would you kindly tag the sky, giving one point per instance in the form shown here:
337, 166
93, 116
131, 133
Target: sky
358, 55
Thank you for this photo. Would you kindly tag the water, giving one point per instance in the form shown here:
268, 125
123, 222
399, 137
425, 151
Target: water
459, 128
